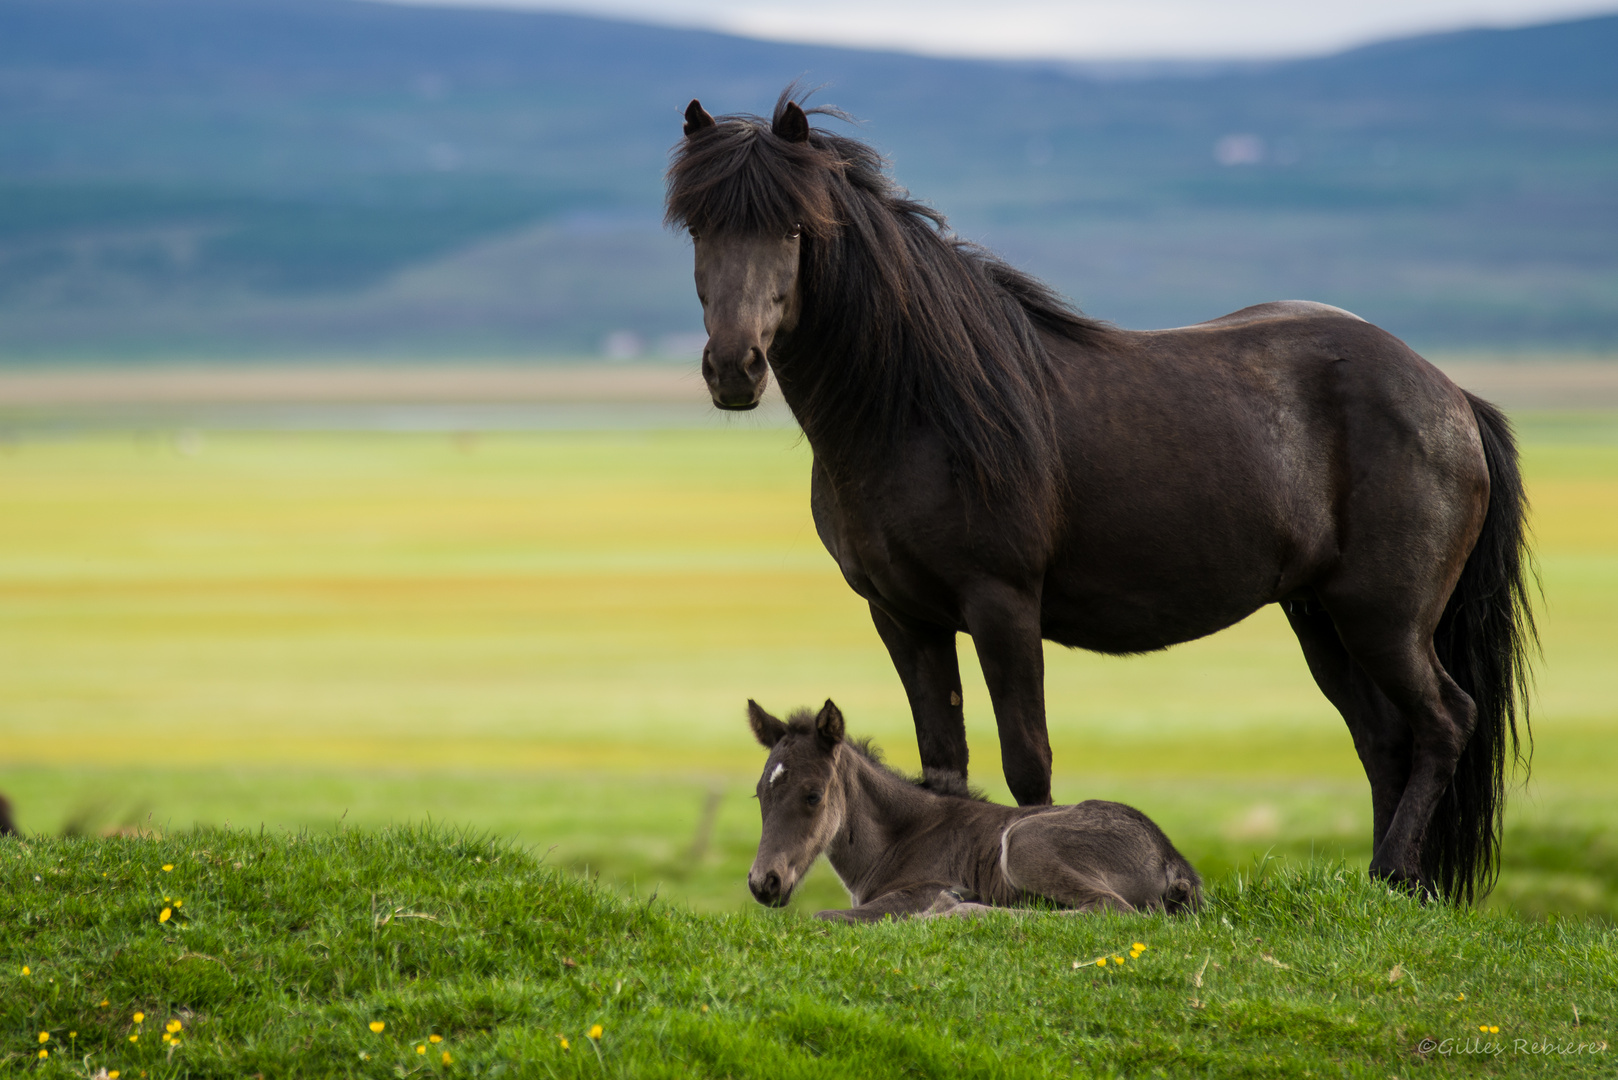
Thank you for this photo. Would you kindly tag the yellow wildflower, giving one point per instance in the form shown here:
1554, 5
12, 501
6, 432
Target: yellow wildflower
173, 1026
167, 913
134, 1038
1138, 947
103, 1004
25, 970
179, 903
1494, 1030
563, 1040
705, 1008
1118, 960
446, 1059
1102, 962
377, 1026
113, 1075
44, 1036
140, 1017
167, 867
44, 1053
421, 1048
435, 1038
1460, 997
595, 1031
73, 1034
167, 1038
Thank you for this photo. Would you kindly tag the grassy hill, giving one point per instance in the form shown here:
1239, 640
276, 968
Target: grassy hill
436, 954
220, 177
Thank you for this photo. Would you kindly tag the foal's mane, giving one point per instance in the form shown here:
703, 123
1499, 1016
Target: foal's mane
904, 324
802, 722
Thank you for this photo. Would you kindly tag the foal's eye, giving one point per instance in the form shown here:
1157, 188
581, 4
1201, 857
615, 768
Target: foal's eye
813, 798
694, 233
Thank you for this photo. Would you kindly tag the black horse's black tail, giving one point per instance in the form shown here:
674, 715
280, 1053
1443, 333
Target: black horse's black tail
1485, 641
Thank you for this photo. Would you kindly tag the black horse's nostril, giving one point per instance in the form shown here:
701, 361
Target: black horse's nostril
707, 365
772, 882
755, 364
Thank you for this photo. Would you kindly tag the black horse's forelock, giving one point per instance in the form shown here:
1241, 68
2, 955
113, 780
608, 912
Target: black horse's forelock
904, 326
738, 176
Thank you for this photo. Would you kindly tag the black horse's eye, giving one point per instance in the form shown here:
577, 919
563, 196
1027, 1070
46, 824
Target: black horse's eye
694, 233
813, 798
794, 232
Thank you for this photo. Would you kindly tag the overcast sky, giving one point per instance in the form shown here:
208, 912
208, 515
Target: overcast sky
1086, 29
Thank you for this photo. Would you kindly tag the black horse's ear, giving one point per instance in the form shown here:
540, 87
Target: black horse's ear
766, 728
696, 118
829, 725
792, 125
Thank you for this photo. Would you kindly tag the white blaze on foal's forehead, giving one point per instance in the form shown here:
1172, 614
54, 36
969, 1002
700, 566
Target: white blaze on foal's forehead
775, 774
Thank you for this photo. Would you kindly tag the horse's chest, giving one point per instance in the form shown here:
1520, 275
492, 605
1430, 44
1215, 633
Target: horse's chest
875, 552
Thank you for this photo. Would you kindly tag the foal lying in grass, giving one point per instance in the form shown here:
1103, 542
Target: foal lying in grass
903, 850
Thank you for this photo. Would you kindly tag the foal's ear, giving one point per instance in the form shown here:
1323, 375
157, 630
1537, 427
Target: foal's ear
696, 118
766, 728
829, 725
792, 125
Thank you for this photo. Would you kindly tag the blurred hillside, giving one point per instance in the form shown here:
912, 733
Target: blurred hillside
223, 178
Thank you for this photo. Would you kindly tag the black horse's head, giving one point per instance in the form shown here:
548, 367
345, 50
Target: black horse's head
752, 193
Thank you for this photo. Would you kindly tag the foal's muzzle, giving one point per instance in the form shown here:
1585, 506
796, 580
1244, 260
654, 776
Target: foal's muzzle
768, 889
735, 381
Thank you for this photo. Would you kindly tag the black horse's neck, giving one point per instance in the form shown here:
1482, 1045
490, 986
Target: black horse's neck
905, 330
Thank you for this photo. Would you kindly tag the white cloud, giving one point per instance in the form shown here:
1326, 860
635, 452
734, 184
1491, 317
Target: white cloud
1080, 29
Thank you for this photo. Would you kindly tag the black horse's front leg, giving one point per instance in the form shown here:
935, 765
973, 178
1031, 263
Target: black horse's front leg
925, 658
1005, 628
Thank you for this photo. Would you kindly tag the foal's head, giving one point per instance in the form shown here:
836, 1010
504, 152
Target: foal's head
750, 191
798, 795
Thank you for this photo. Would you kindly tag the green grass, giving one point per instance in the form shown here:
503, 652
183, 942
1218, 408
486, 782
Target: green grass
285, 948
550, 636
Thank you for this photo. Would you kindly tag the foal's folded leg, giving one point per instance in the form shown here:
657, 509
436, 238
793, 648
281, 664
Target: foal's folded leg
924, 898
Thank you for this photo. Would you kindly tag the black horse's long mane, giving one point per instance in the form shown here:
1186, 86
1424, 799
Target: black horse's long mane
903, 324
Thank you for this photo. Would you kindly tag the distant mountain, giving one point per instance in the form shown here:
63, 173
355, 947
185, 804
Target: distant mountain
238, 177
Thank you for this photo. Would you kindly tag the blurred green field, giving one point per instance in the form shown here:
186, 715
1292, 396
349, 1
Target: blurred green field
550, 635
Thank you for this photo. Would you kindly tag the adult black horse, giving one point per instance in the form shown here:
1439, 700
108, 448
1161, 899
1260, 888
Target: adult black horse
988, 460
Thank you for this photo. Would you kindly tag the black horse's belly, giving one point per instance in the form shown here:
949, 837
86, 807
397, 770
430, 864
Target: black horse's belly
1109, 624
1144, 583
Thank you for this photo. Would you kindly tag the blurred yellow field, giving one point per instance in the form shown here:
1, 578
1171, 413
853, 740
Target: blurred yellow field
542, 613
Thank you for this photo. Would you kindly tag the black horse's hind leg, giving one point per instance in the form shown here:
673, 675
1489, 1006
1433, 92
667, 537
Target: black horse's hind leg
927, 664
1381, 736
1005, 628
1396, 653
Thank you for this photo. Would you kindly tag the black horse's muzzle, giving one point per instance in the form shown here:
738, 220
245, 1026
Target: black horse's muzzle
735, 382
